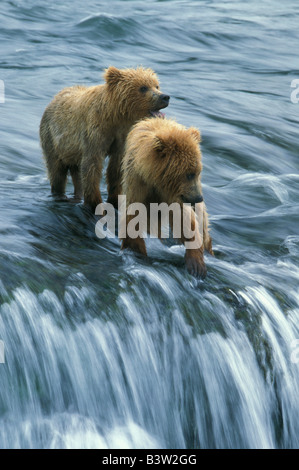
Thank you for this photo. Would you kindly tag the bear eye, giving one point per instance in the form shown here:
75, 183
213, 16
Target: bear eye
190, 176
157, 87
143, 89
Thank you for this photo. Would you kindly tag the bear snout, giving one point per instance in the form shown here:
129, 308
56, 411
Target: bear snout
160, 101
165, 98
163, 101
192, 199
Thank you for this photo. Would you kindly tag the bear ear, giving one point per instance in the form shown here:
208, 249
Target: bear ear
165, 145
195, 133
112, 75
159, 146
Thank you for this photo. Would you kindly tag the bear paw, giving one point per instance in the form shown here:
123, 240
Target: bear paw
195, 265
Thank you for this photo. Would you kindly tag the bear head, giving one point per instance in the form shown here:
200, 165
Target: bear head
136, 92
166, 156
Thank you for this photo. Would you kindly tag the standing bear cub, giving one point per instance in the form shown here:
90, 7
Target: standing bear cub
162, 164
83, 125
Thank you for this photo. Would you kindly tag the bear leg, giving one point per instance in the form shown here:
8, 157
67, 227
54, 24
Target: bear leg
195, 263
136, 244
91, 173
57, 173
207, 240
208, 245
76, 177
113, 177
194, 258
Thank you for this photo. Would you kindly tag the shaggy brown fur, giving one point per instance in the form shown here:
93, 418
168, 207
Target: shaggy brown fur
82, 125
162, 163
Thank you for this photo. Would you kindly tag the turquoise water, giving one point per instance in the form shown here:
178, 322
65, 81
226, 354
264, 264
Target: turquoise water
107, 350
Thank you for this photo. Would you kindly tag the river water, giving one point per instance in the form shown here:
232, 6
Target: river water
102, 349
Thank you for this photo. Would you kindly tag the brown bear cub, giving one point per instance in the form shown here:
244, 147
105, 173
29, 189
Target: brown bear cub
82, 125
162, 163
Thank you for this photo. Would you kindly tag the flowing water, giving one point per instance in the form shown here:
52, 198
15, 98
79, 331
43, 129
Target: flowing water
102, 349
